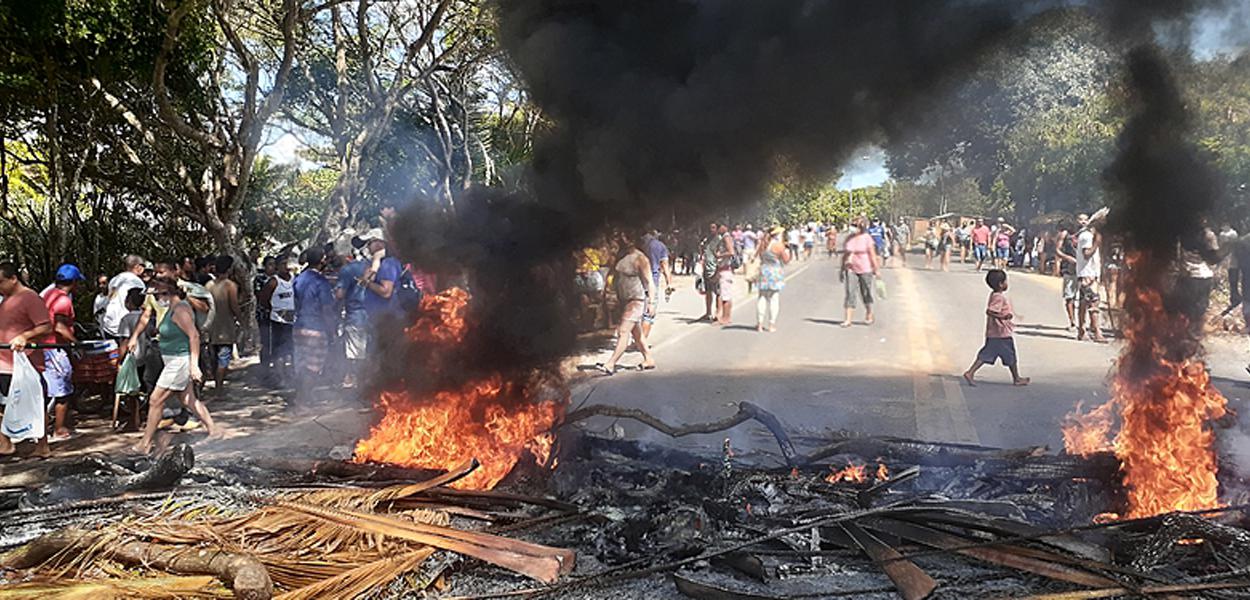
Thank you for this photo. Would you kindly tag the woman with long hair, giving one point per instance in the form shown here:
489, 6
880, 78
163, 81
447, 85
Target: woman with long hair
771, 254
636, 297
180, 351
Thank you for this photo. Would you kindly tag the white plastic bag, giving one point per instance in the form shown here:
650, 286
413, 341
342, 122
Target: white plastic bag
23, 407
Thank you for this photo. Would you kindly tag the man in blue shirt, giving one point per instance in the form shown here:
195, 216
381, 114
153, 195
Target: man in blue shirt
355, 316
381, 277
878, 236
315, 317
657, 253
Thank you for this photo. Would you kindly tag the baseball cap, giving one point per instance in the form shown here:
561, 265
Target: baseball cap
69, 272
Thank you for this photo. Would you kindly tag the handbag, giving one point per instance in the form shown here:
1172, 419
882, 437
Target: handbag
23, 407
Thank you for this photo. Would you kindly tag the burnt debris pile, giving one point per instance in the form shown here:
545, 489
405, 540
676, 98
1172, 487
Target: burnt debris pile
868, 517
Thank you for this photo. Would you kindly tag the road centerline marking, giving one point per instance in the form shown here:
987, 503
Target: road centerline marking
941, 409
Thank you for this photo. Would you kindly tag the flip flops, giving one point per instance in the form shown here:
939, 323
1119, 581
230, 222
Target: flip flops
604, 369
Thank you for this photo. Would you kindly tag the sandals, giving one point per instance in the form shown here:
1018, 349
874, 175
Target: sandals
604, 369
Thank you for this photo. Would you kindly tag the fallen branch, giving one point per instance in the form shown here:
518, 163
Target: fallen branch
243, 574
746, 412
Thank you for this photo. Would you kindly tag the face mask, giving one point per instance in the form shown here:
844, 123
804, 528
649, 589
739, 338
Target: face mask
854, 229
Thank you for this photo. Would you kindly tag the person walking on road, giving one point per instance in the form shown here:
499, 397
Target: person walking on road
726, 256
707, 256
773, 256
902, 240
180, 349
999, 328
1002, 243
859, 270
637, 299
980, 243
657, 257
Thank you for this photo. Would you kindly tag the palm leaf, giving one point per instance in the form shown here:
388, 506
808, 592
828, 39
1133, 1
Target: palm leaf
354, 582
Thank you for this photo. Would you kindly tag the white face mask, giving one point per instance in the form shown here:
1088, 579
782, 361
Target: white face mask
854, 229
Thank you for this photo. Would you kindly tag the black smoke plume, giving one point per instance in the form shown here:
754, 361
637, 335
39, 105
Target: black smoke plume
1163, 188
664, 107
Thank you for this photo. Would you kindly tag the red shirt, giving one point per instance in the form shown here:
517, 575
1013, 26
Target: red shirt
60, 304
981, 235
20, 313
998, 327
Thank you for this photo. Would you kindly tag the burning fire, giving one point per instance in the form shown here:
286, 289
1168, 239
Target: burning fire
1089, 433
1166, 404
854, 473
493, 420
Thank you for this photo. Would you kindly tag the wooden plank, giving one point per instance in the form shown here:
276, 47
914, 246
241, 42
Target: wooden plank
991, 554
912, 582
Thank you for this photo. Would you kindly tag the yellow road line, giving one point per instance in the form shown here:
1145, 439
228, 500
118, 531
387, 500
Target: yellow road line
941, 410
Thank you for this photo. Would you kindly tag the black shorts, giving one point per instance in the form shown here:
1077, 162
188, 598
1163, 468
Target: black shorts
998, 349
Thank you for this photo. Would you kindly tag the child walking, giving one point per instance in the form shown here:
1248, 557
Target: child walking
999, 326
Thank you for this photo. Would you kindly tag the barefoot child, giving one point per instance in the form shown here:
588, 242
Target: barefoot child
998, 330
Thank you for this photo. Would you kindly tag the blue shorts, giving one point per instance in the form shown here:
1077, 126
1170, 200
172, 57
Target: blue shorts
1003, 253
222, 353
980, 252
998, 349
57, 373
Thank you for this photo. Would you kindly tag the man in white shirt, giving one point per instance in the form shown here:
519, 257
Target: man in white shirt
1088, 273
118, 287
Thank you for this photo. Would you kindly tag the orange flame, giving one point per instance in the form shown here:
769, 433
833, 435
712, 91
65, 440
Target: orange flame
1166, 403
1165, 445
1088, 433
494, 420
854, 473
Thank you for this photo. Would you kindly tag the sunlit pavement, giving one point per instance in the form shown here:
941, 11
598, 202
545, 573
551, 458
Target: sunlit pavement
898, 377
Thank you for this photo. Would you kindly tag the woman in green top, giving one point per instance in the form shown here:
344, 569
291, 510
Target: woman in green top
180, 349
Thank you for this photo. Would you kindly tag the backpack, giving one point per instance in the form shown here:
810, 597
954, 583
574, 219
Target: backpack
407, 294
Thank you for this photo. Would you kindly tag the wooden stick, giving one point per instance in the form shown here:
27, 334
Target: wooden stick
911, 582
542, 563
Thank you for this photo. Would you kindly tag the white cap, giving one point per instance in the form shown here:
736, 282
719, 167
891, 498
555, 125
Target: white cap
373, 234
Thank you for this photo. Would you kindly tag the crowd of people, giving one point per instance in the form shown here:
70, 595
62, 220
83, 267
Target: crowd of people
1074, 250
180, 322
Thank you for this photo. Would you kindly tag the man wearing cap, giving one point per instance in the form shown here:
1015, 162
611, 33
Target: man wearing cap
382, 275
57, 370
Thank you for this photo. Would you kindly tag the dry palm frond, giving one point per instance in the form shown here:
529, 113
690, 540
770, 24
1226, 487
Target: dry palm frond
350, 584
365, 499
539, 562
151, 587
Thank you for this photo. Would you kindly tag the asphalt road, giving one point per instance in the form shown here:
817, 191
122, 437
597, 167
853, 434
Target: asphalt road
899, 376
